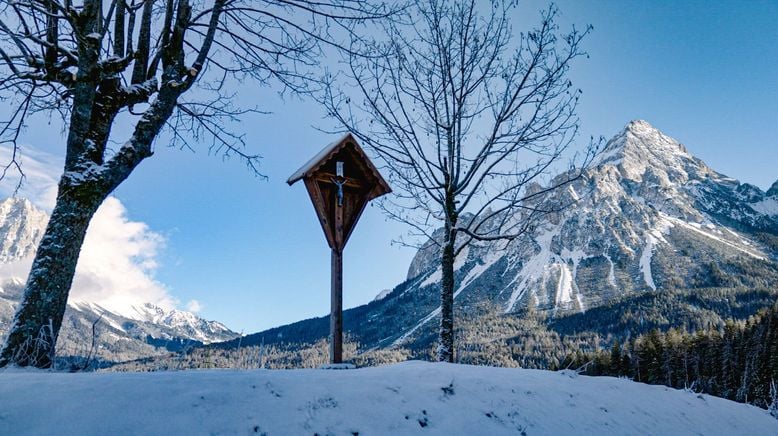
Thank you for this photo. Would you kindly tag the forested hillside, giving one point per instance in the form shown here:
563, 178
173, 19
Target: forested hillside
738, 361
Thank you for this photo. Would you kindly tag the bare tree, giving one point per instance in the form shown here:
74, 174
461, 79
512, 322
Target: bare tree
132, 63
469, 118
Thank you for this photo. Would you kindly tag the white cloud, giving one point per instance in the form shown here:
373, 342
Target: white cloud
118, 260
41, 171
119, 257
194, 306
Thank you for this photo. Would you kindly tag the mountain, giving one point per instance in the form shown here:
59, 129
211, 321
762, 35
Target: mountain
654, 237
136, 331
21, 226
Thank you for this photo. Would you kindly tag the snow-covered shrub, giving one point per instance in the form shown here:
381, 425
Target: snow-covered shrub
773, 407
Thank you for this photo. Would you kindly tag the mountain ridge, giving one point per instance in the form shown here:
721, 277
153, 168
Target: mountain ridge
140, 330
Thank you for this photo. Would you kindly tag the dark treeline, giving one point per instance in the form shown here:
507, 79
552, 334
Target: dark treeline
738, 361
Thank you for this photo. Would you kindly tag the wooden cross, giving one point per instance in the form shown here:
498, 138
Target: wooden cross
339, 202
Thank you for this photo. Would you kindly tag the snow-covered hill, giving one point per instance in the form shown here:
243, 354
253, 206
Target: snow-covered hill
407, 398
127, 332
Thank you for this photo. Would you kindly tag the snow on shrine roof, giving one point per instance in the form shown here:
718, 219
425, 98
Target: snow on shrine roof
322, 156
315, 161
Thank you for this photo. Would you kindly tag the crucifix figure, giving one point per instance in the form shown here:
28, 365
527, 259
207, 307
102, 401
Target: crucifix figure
339, 184
339, 181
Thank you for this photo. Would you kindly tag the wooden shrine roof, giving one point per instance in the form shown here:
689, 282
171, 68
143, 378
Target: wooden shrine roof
331, 150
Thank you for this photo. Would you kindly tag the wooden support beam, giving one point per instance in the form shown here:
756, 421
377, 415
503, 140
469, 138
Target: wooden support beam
336, 308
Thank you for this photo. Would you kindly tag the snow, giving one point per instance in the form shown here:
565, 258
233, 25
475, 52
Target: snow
653, 237
21, 227
564, 291
407, 398
418, 325
424, 320
413, 285
575, 256
491, 258
105, 315
612, 155
541, 265
434, 277
768, 206
740, 238
381, 295
611, 275
656, 235
573, 194
459, 262
332, 148
645, 264
697, 228
581, 304
536, 267
641, 146
184, 324
314, 161
87, 171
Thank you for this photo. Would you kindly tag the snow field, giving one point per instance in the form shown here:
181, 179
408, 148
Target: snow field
407, 398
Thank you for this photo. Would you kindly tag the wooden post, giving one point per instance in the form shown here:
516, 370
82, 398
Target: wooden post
336, 297
336, 308
340, 180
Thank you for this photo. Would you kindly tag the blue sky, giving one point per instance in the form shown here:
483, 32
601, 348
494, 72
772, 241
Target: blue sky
251, 251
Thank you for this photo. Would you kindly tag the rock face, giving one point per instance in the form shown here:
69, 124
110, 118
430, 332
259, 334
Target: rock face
21, 226
647, 215
139, 331
773, 191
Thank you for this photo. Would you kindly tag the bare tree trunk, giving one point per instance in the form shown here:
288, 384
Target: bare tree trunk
33, 335
97, 90
424, 83
446, 338
446, 345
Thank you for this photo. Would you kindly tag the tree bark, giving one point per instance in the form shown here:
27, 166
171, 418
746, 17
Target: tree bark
446, 339
33, 335
446, 345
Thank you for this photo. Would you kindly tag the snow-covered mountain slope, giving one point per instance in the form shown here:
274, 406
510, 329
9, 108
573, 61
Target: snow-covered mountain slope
135, 331
381, 295
185, 324
21, 227
646, 216
407, 398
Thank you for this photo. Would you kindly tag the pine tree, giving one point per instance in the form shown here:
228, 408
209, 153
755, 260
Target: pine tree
615, 361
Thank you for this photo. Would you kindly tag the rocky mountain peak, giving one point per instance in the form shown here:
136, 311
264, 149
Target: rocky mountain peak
646, 132
184, 323
645, 195
641, 151
21, 227
773, 191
